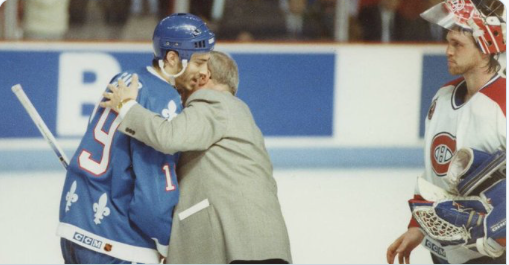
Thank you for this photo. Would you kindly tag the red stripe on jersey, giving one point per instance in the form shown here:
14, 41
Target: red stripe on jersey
413, 222
496, 92
418, 197
454, 82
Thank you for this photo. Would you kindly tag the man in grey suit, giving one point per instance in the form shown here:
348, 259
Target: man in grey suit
229, 211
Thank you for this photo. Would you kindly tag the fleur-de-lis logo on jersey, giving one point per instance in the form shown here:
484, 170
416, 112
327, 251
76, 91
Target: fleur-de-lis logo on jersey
171, 111
100, 209
127, 78
71, 196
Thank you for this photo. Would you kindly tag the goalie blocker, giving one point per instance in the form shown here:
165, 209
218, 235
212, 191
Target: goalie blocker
472, 171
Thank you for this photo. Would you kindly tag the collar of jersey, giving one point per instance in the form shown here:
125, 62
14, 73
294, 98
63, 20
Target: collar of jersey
458, 94
153, 71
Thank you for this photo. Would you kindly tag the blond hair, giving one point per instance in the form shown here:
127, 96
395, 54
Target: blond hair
224, 70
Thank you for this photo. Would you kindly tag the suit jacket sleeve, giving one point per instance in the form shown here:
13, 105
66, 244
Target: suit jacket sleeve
202, 123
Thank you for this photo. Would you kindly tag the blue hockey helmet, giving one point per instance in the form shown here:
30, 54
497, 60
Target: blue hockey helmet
184, 33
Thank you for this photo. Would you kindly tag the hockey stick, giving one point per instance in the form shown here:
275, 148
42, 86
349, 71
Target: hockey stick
39, 122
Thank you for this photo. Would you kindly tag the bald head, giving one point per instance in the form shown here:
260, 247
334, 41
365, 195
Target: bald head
223, 71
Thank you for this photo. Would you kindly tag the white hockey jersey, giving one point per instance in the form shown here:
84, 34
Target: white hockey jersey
451, 124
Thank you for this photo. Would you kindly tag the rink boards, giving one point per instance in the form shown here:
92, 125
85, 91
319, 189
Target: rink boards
317, 105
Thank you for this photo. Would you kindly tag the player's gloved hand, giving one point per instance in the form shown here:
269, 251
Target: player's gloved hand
120, 94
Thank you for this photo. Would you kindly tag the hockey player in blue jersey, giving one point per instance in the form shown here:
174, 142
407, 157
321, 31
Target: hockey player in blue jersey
119, 194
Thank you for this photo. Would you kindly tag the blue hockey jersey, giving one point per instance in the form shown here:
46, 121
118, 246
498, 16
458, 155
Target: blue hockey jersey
119, 194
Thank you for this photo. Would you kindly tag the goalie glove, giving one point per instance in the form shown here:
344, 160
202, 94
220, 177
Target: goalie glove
471, 212
466, 220
451, 221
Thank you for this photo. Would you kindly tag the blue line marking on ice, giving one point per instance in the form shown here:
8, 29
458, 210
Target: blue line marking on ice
282, 158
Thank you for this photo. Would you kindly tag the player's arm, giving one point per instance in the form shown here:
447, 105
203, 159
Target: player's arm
403, 246
202, 123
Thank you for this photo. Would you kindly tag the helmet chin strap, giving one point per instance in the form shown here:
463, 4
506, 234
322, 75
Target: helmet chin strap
169, 76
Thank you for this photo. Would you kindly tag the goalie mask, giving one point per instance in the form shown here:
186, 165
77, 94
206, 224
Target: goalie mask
488, 29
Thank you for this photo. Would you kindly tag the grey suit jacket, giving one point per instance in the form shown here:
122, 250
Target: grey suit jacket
228, 208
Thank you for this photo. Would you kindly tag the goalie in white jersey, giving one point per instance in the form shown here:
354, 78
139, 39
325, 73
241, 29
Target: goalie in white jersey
469, 112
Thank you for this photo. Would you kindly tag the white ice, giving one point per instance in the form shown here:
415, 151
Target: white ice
333, 216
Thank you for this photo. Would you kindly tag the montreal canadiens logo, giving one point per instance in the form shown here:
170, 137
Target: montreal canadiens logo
456, 5
443, 147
